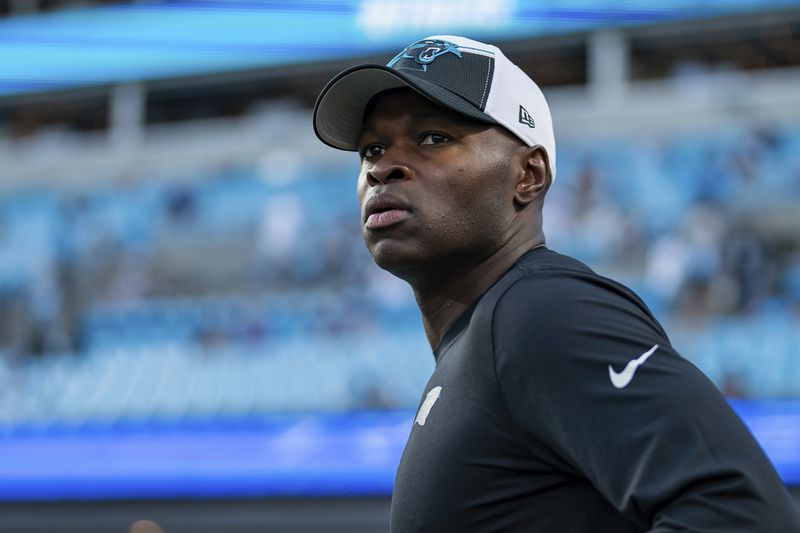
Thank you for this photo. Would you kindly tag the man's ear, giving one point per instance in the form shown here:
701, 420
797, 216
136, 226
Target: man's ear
535, 178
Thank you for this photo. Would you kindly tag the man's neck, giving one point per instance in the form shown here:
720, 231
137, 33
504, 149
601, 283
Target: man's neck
441, 303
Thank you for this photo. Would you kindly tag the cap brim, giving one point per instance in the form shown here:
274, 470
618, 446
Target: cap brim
339, 111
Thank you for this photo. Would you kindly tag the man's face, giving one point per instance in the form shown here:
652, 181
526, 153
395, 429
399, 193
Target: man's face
436, 189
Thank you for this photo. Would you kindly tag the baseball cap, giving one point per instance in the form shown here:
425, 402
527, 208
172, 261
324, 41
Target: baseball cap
470, 77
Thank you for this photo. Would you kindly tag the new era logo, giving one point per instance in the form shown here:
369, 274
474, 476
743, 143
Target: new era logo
526, 118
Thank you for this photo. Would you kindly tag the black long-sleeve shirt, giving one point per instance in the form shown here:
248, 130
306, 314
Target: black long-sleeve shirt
537, 420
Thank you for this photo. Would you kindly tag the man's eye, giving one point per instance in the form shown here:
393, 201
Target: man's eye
371, 150
434, 138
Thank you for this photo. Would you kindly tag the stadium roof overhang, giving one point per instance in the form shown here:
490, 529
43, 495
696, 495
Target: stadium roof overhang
160, 40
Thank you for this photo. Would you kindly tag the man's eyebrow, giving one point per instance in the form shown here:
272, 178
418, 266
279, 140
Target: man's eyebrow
366, 130
422, 116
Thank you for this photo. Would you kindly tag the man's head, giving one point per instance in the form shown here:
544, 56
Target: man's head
447, 177
437, 188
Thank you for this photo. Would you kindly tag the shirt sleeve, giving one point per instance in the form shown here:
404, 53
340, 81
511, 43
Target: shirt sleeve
662, 445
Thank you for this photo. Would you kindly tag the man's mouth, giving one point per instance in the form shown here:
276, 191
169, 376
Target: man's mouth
382, 219
385, 210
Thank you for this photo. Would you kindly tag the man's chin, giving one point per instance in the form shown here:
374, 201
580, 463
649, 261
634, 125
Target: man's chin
396, 259
393, 263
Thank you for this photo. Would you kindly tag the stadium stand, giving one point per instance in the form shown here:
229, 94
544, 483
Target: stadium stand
168, 267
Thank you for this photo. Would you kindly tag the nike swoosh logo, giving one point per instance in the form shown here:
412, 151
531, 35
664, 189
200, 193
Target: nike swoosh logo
426, 406
621, 379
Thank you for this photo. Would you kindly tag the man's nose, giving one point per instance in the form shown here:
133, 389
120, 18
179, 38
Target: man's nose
388, 169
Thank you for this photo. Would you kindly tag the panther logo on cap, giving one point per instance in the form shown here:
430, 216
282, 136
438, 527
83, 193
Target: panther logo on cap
424, 53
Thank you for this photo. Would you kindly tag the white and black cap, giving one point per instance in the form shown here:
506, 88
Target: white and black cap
469, 77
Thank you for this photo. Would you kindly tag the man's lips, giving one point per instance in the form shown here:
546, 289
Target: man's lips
385, 210
382, 219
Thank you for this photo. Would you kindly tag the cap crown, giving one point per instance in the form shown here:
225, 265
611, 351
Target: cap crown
462, 70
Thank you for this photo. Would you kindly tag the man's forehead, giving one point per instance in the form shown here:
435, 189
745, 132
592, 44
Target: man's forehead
409, 104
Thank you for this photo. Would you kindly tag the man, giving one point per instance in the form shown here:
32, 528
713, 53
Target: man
557, 403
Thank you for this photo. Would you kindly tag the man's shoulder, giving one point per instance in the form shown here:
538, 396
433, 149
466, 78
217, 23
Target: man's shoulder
545, 260
544, 274
547, 282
